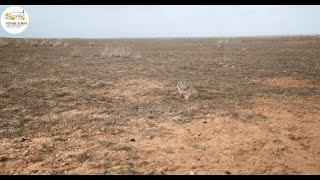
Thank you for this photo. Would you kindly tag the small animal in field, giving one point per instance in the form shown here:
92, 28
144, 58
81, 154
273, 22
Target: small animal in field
186, 89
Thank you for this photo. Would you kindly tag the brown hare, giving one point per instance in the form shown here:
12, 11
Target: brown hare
186, 89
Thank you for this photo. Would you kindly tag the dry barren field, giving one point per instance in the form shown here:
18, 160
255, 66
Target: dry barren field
87, 106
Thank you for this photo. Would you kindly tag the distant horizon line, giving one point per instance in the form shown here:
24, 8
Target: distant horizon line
167, 37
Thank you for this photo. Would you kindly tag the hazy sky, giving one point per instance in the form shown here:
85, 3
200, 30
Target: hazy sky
167, 21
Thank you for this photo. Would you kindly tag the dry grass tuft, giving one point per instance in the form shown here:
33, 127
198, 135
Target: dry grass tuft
57, 43
75, 52
117, 51
44, 42
221, 43
137, 55
34, 43
65, 44
3, 42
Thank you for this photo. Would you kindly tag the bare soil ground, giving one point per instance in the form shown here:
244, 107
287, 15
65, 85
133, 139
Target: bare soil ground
257, 109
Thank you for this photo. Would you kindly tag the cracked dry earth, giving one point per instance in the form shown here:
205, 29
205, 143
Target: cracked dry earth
257, 111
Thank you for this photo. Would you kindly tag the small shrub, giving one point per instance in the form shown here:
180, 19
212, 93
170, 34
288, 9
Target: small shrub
220, 44
76, 52
82, 157
33, 43
4, 42
44, 42
57, 43
18, 43
50, 43
26, 42
137, 55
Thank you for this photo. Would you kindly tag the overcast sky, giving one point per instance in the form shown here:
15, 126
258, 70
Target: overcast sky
167, 21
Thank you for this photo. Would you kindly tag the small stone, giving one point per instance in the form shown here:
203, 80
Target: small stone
23, 139
295, 172
306, 145
3, 159
132, 140
35, 171
205, 121
227, 172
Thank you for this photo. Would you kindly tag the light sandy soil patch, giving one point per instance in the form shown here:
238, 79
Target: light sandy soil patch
137, 90
288, 82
